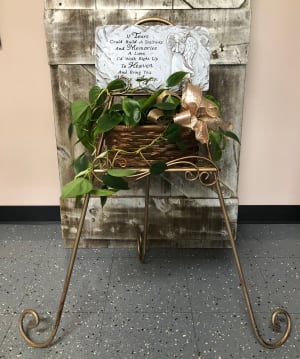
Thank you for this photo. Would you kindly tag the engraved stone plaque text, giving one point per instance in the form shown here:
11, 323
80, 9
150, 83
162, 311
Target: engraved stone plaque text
139, 51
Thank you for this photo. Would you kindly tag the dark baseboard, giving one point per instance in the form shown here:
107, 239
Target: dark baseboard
29, 214
247, 214
269, 214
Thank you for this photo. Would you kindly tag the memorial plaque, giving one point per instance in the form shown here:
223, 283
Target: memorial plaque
151, 52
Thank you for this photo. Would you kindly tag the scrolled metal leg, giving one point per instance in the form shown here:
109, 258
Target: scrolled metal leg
142, 239
33, 313
278, 312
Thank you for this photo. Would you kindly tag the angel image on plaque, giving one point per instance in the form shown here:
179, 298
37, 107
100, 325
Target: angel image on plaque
183, 48
190, 54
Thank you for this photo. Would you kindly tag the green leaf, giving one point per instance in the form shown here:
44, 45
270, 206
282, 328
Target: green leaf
97, 97
81, 163
70, 130
97, 112
76, 187
102, 154
103, 192
94, 93
214, 100
82, 118
116, 107
128, 121
173, 134
83, 173
217, 136
120, 172
80, 110
216, 154
108, 121
216, 150
103, 200
176, 78
173, 99
116, 85
147, 103
166, 106
114, 182
132, 111
171, 129
232, 136
157, 168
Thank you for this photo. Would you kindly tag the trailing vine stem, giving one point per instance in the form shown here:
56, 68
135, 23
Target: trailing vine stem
139, 151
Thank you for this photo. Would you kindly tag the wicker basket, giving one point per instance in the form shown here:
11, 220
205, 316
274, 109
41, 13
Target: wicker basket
131, 139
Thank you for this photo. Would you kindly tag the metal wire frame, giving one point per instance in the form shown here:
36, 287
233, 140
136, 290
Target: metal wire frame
195, 168
192, 172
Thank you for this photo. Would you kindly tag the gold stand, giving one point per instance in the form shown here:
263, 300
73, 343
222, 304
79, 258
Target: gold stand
195, 168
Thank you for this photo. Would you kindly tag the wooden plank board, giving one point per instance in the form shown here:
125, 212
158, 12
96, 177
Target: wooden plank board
209, 4
181, 214
134, 4
173, 222
70, 4
71, 40
170, 4
145, 4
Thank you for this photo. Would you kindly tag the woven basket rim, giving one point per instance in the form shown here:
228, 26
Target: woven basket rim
130, 128
133, 138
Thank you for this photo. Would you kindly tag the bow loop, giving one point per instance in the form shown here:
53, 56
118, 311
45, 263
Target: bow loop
199, 113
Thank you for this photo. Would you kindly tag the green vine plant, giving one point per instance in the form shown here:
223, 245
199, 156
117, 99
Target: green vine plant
98, 115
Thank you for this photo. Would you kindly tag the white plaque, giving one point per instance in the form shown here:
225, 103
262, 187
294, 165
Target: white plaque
139, 51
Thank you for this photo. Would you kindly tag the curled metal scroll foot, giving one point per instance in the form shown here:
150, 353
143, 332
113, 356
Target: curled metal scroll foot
275, 321
277, 313
276, 326
33, 325
33, 313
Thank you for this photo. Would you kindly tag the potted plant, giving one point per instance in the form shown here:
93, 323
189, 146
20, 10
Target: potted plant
142, 129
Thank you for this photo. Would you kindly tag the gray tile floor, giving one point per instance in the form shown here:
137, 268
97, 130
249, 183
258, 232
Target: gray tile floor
180, 304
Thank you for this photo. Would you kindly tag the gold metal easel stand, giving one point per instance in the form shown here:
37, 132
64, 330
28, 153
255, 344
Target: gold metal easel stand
204, 170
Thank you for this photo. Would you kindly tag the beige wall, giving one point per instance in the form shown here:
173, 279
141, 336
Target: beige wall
270, 163
270, 154
29, 173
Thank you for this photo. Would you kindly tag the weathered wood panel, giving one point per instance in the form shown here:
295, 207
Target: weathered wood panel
134, 4
146, 4
208, 4
181, 214
70, 4
229, 31
169, 4
173, 222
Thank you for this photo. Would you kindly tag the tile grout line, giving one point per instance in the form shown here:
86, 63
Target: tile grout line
7, 331
191, 311
106, 295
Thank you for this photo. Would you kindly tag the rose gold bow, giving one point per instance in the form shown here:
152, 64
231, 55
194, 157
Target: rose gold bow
199, 113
